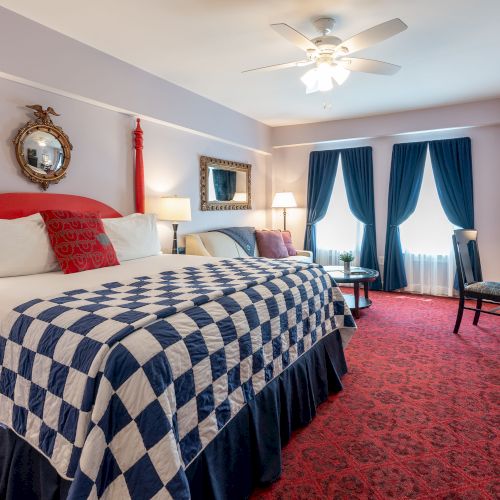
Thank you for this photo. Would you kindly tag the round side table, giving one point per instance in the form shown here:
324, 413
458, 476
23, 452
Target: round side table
356, 276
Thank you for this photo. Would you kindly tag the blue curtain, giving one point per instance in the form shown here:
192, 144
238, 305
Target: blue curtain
322, 171
357, 167
407, 170
452, 167
224, 184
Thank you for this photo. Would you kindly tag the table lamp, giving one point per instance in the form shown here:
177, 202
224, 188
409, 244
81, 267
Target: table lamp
284, 200
175, 209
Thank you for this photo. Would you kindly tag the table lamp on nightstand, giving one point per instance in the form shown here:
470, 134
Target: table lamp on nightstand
284, 201
175, 209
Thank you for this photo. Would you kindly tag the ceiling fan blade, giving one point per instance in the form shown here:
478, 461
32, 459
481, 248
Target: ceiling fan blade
281, 66
369, 66
292, 35
374, 35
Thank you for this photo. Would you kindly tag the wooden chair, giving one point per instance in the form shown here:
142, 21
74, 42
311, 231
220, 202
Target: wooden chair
470, 277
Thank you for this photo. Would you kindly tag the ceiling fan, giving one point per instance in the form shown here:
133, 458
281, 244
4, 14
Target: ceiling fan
332, 56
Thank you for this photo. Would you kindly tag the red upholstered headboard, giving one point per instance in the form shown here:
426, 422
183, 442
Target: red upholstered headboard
14, 205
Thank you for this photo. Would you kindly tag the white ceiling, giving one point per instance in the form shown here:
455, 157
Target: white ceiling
449, 54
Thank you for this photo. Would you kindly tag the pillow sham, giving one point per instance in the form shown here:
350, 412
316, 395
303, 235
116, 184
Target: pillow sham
79, 240
133, 236
287, 240
25, 247
271, 244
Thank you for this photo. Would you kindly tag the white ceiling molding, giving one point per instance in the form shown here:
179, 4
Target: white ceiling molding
70, 67
469, 115
127, 112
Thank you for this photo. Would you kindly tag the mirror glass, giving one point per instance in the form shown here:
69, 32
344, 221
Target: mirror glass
226, 185
43, 152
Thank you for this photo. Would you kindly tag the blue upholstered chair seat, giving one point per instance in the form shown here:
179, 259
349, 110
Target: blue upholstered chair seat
488, 290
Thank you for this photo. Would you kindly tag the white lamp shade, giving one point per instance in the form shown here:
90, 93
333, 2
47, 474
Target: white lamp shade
175, 209
284, 200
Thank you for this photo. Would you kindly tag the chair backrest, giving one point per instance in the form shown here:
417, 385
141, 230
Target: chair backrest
467, 256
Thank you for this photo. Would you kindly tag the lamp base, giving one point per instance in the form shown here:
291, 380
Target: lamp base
174, 242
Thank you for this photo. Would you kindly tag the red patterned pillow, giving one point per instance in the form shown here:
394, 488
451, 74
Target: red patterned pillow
270, 244
287, 239
79, 240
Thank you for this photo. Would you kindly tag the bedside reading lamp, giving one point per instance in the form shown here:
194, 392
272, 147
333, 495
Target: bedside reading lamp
175, 209
284, 201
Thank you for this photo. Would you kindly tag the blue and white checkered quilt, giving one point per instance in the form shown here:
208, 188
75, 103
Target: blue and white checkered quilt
121, 387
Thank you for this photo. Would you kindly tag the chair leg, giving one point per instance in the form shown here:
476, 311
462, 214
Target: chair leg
460, 313
478, 312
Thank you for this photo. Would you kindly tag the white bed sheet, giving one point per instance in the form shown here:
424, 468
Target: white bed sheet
17, 290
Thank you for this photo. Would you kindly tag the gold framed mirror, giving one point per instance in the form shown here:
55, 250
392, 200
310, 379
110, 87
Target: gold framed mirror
43, 150
225, 185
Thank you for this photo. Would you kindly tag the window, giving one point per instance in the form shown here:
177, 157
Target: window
339, 230
426, 241
427, 231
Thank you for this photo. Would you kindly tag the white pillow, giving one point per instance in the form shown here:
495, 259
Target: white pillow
25, 247
134, 236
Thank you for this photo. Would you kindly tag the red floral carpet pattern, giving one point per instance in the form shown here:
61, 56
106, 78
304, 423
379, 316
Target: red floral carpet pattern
418, 417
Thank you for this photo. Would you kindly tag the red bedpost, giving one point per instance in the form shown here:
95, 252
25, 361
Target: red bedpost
139, 169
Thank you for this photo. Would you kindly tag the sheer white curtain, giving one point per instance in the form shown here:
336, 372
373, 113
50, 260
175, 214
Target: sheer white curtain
339, 230
426, 241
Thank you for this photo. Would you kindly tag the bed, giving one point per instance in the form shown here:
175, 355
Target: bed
168, 377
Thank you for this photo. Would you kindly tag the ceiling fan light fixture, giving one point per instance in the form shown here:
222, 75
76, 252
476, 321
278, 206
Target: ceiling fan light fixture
325, 82
311, 89
339, 74
321, 78
310, 78
332, 55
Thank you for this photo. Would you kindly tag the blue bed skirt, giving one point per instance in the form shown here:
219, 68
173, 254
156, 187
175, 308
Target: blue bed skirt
246, 453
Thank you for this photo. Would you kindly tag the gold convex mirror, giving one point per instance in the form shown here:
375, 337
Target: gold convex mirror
43, 150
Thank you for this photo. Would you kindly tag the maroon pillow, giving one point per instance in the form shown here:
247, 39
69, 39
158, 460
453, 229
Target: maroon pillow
287, 240
271, 244
79, 240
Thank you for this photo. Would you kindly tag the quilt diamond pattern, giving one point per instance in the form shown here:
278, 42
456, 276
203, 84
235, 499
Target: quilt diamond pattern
121, 387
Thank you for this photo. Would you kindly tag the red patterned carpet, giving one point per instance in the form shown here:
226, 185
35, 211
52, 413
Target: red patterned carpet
418, 417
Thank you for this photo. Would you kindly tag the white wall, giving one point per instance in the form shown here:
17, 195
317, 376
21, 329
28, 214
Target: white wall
290, 167
172, 167
98, 98
102, 159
